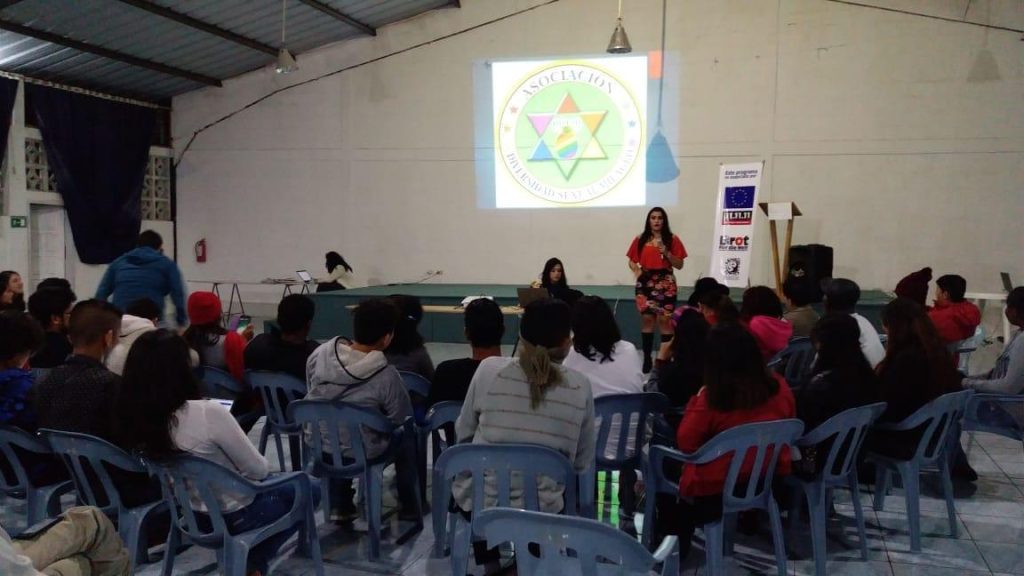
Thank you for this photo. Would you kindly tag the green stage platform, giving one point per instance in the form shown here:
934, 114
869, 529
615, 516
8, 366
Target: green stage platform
334, 318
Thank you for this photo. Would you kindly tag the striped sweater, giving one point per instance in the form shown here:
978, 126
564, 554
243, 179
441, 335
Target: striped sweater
497, 411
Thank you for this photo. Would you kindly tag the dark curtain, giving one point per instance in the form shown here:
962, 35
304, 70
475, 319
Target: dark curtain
98, 149
8, 91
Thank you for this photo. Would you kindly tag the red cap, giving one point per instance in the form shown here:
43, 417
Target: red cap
204, 308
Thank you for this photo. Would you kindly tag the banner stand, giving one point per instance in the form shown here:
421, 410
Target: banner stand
776, 211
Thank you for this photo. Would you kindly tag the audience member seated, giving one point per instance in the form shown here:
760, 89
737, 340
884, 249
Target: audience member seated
216, 346
799, 293
1007, 377
531, 399
12, 291
738, 389
681, 374
51, 308
841, 296
842, 379
955, 319
407, 352
19, 337
82, 542
598, 351
702, 287
762, 312
914, 286
718, 308
554, 279
140, 317
484, 328
359, 374
287, 348
159, 413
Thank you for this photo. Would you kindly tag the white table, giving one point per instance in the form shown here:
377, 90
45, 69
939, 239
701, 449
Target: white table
237, 294
982, 298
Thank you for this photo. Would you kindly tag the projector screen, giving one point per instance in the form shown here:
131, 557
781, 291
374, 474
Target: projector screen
564, 133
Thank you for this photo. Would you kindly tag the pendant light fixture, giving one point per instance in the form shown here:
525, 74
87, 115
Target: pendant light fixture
285, 61
619, 44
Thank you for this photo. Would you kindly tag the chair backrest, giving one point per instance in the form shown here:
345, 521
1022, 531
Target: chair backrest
14, 479
415, 384
501, 462
847, 431
440, 420
1001, 414
760, 443
89, 459
277, 390
937, 417
621, 421
216, 383
39, 373
798, 357
340, 427
566, 545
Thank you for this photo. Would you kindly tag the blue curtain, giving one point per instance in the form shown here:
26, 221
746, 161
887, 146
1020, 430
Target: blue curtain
98, 149
8, 91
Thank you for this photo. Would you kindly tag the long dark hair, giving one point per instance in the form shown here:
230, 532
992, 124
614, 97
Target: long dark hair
157, 382
18, 300
666, 231
909, 327
199, 336
837, 339
333, 260
760, 301
683, 377
545, 276
594, 328
735, 375
407, 336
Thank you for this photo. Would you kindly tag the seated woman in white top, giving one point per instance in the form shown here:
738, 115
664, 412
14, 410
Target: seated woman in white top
598, 350
159, 412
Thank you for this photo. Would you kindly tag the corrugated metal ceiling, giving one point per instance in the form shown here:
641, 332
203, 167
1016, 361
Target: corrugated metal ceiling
121, 27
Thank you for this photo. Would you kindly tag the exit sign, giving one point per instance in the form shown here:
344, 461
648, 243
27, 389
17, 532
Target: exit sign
19, 222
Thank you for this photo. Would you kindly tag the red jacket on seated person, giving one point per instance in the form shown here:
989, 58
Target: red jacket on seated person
955, 321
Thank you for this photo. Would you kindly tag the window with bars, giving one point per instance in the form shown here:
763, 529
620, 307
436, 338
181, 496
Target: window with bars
38, 176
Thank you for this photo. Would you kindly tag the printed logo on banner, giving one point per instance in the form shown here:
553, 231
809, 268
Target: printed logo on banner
731, 267
737, 217
739, 198
734, 243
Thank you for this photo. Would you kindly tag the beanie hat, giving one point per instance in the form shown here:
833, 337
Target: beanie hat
203, 308
914, 286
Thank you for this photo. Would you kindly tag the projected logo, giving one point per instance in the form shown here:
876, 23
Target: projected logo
570, 133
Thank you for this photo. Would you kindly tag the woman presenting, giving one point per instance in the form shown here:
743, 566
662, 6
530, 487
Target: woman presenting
652, 256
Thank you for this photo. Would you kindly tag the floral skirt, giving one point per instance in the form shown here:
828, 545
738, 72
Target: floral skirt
656, 292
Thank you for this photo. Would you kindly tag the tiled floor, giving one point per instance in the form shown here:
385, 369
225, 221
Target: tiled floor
990, 521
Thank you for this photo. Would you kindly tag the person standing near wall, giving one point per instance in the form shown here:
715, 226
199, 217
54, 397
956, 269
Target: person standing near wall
145, 273
652, 256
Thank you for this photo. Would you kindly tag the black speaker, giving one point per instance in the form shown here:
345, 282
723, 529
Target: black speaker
811, 261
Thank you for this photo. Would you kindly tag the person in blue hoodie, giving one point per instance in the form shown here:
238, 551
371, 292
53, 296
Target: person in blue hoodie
145, 273
20, 336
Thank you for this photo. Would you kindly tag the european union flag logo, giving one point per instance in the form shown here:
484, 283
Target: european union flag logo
739, 198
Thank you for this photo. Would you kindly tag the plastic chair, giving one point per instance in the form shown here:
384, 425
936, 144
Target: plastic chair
964, 348
526, 461
797, 358
277, 390
216, 383
1001, 414
327, 421
186, 477
415, 384
762, 442
621, 436
438, 428
847, 431
570, 545
89, 459
39, 373
939, 419
41, 502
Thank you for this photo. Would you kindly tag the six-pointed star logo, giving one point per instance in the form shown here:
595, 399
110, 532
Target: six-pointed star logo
567, 136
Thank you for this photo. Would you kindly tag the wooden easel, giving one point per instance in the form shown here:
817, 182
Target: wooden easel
776, 211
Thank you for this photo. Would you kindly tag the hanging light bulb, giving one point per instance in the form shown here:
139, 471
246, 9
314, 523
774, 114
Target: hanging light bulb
285, 61
619, 43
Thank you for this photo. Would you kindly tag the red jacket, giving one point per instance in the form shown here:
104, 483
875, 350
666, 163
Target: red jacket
955, 321
772, 334
701, 423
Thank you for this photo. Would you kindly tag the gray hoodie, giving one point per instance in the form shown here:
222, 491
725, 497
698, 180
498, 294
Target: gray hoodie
335, 371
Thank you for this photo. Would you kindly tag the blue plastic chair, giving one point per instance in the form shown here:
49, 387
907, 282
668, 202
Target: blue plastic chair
629, 415
500, 461
595, 547
39, 373
277, 390
88, 459
1001, 414
964, 348
438, 429
798, 357
186, 477
342, 427
847, 431
765, 441
41, 502
939, 419
216, 383
415, 384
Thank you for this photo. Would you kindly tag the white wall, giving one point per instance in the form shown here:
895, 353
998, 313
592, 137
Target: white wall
865, 118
